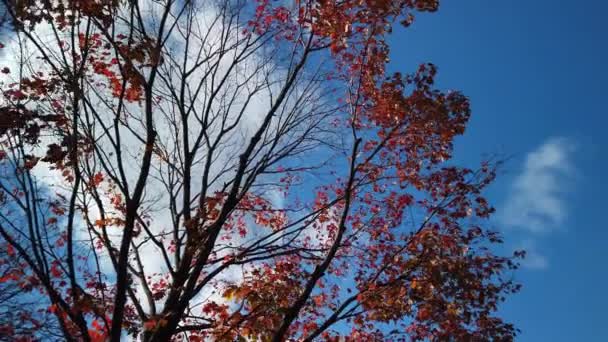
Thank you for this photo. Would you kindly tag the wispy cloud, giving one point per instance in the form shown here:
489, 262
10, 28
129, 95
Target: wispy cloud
534, 260
536, 201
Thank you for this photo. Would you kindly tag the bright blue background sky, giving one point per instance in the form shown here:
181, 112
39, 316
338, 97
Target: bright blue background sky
535, 72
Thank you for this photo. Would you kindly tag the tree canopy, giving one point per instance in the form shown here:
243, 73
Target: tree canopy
196, 170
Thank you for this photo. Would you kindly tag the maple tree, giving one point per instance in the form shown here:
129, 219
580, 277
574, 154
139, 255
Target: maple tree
236, 170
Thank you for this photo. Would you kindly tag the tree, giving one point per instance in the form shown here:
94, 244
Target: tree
230, 170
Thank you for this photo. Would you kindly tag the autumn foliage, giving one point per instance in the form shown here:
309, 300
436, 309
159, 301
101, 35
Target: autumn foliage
236, 170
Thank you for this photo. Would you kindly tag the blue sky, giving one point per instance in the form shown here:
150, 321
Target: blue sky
536, 74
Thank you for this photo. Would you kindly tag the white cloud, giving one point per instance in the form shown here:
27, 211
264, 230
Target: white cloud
536, 200
534, 259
